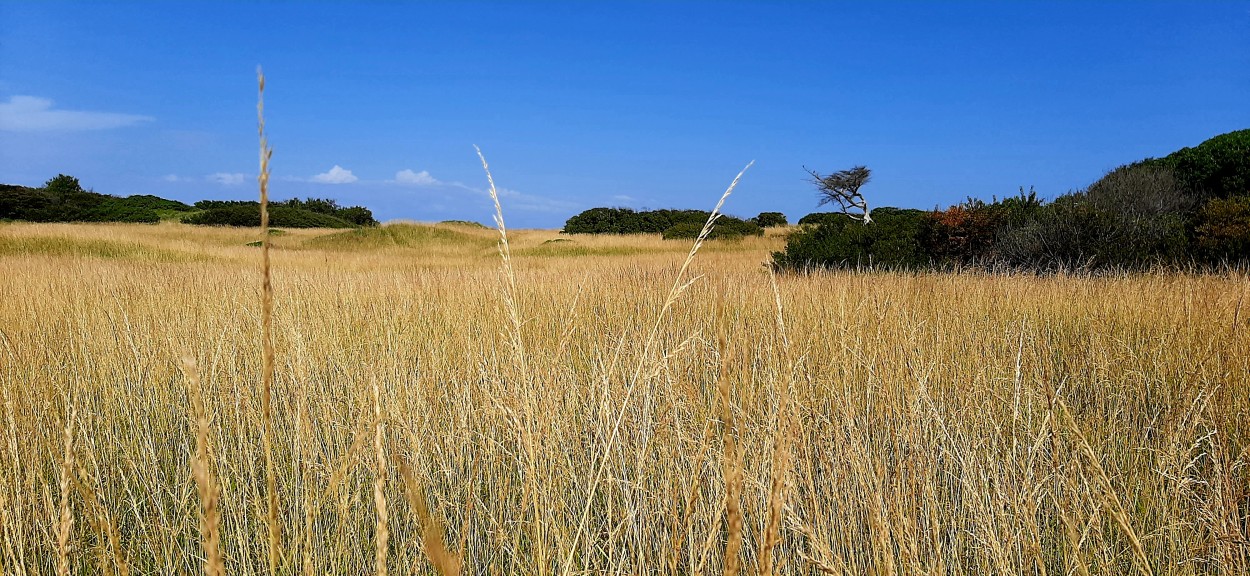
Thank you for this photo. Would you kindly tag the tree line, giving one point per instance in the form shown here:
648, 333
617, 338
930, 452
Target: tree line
1191, 207
63, 199
671, 224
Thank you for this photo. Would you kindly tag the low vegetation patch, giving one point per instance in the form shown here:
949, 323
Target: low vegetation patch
402, 235
62, 199
683, 224
1188, 209
294, 213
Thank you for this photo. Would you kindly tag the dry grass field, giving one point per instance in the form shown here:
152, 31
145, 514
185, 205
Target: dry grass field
427, 418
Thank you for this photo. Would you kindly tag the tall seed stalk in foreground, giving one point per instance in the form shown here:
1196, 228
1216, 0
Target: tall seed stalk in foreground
266, 404
732, 468
205, 477
783, 437
445, 561
518, 349
381, 532
65, 523
505, 253
679, 285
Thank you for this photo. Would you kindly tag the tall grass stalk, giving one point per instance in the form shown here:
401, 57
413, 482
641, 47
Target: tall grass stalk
381, 471
202, 470
267, 369
783, 437
680, 284
65, 520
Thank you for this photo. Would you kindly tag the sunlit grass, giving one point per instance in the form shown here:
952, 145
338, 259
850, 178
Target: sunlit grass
932, 431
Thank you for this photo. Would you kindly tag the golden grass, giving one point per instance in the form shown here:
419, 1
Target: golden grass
937, 424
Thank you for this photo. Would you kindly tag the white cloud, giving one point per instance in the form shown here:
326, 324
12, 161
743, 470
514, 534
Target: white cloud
421, 178
171, 178
227, 179
336, 175
34, 114
623, 198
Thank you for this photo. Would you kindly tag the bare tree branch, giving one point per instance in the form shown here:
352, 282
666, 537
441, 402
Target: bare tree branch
843, 187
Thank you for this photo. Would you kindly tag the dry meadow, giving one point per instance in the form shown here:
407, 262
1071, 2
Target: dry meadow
594, 413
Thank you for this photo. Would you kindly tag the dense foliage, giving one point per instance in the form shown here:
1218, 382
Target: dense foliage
1191, 207
891, 239
294, 213
725, 228
1217, 168
669, 223
769, 220
62, 199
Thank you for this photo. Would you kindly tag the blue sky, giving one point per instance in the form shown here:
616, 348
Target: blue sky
584, 104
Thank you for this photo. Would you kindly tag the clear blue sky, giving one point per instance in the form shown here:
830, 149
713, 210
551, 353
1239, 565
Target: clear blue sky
583, 104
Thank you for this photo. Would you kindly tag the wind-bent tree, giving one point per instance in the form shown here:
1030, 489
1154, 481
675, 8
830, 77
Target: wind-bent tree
843, 187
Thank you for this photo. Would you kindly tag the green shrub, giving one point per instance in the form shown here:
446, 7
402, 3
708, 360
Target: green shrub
683, 231
119, 210
890, 241
1223, 230
1075, 232
294, 213
769, 220
628, 221
23, 203
821, 217
156, 203
1216, 168
62, 199
249, 215
725, 228
623, 220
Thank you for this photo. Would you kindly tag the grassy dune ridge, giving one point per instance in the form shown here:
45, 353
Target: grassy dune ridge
942, 424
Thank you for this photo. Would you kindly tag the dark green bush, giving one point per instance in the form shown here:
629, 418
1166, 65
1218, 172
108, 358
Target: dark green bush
151, 202
1217, 168
685, 230
627, 221
1077, 232
1192, 206
1223, 229
821, 217
890, 241
724, 228
1134, 217
358, 215
23, 203
769, 220
249, 215
119, 210
294, 213
62, 199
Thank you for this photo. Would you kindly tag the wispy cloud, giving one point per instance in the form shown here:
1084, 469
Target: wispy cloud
34, 114
421, 178
227, 178
533, 203
336, 175
223, 178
